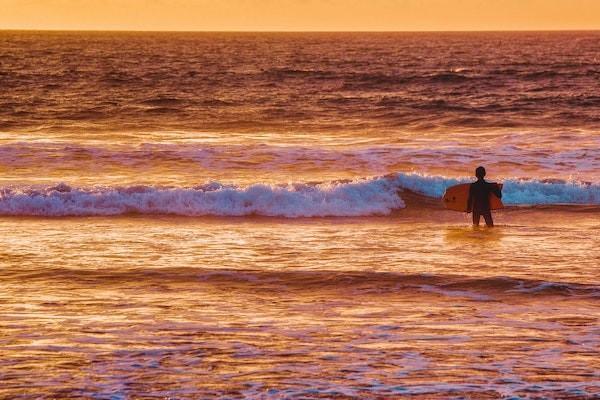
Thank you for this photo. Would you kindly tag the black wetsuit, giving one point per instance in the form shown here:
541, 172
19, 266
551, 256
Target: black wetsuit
479, 200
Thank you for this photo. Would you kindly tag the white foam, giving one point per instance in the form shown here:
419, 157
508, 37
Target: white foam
362, 197
356, 198
515, 191
532, 192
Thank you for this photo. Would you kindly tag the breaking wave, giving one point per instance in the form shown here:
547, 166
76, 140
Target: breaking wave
361, 197
528, 192
365, 197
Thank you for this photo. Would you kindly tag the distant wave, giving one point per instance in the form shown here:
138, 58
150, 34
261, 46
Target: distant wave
362, 197
162, 101
369, 160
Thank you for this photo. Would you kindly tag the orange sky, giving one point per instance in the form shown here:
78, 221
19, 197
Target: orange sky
294, 15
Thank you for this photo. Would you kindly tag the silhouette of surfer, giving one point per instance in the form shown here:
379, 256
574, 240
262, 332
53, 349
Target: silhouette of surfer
479, 198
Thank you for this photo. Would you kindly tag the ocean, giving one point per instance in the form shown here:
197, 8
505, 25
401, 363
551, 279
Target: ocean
258, 215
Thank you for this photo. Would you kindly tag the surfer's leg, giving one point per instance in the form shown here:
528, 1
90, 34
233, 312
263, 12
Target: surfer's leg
488, 219
476, 217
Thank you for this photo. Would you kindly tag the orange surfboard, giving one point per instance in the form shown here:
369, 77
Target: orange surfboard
457, 196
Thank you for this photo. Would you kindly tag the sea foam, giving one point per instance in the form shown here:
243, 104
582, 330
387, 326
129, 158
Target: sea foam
515, 191
356, 198
361, 197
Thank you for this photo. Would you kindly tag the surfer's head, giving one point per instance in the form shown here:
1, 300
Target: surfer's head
480, 172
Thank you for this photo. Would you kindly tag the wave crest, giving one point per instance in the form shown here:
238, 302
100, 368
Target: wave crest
356, 198
362, 197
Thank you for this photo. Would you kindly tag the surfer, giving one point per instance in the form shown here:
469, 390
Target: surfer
479, 198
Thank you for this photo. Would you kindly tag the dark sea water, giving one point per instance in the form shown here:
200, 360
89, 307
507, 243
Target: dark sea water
253, 215
391, 82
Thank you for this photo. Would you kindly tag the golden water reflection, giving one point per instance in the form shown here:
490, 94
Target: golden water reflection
366, 307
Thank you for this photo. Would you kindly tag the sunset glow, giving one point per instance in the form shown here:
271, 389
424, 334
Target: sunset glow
279, 199
294, 15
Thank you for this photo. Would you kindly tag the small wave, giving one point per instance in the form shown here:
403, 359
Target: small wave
372, 80
162, 102
163, 110
463, 286
584, 101
448, 77
284, 73
115, 79
217, 103
362, 161
541, 74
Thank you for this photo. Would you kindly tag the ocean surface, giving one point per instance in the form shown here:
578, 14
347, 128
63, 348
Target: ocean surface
258, 215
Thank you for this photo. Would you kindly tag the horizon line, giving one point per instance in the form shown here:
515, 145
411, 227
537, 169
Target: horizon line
295, 31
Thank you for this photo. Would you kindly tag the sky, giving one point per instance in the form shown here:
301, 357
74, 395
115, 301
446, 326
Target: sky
300, 15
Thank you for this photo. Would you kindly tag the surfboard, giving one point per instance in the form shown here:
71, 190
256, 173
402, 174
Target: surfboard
457, 196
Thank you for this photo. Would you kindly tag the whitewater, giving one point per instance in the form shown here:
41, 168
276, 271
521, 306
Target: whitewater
362, 197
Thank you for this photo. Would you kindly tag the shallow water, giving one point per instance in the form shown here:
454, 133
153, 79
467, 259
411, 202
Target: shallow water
258, 216
268, 308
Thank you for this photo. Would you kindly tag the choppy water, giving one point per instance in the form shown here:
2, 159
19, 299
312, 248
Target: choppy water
295, 83
258, 216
